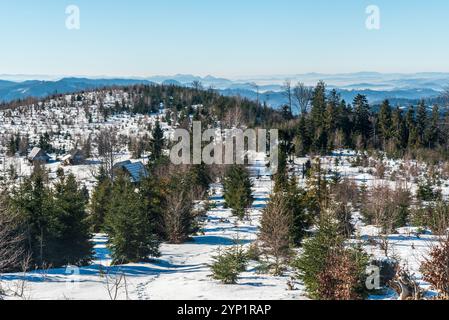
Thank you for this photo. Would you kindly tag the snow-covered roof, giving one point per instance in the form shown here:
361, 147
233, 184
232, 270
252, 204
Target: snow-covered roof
136, 170
76, 153
66, 157
37, 152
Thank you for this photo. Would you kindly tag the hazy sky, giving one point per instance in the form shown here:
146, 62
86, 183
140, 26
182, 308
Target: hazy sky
222, 37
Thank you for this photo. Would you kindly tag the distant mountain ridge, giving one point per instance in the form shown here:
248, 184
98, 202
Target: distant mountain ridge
399, 88
10, 91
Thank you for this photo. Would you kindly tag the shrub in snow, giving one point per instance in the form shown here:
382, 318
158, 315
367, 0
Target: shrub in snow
228, 264
328, 269
342, 278
427, 191
387, 208
435, 269
380, 170
433, 216
341, 212
254, 252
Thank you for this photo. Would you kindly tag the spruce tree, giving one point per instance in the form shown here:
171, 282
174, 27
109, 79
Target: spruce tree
237, 190
385, 121
44, 142
101, 196
200, 179
152, 192
157, 142
228, 264
131, 230
317, 188
12, 147
303, 139
33, 201
315, 254
328, 268
300, 218
362, 125
275, 233
421, 123
344, 123
71, 238
317, 115
281, 177
398, 130
330, 118
412, 132
432, 133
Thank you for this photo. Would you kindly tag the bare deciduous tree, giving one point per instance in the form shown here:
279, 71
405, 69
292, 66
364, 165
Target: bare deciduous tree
108, 146
178, 217
21, 288
233, 118
116, 282
197, 85
11, 239
11, 249
302, 95
387, 208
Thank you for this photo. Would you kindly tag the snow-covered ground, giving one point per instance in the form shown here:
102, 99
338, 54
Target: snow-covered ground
182, 272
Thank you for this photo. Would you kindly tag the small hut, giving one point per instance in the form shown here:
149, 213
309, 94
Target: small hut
136, 171
38, 155
73, 158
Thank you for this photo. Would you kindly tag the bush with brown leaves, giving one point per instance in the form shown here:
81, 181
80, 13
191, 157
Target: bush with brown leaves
435, 269
339, 280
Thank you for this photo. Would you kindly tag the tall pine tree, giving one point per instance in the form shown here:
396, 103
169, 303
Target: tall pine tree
157, 142
421, 123
362, 125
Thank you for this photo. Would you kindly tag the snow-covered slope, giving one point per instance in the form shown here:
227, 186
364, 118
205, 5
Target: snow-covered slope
182, 272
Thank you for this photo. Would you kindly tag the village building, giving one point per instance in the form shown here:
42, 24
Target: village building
136, 171
73, 158
38, 155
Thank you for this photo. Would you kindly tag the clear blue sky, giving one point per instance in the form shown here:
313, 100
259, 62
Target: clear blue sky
222, 37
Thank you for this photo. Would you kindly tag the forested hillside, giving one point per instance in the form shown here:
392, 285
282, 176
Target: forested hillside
87, 185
